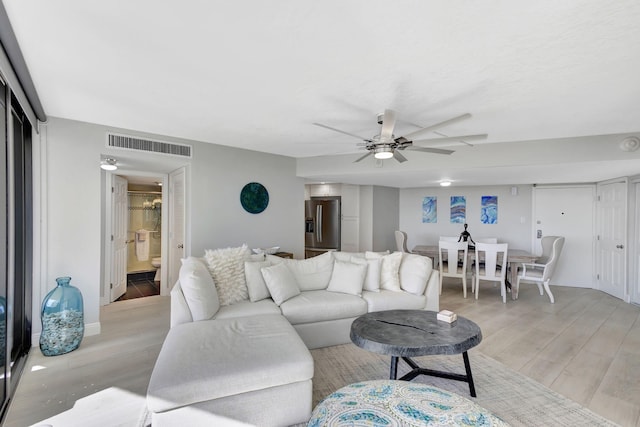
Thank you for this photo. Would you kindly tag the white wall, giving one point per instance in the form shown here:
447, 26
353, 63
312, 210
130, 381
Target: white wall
71, 191
385, 218
514, 215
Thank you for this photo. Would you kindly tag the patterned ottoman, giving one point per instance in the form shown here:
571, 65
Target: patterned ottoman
398, 403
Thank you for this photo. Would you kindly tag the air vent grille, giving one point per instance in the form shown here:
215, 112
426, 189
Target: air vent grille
133, 143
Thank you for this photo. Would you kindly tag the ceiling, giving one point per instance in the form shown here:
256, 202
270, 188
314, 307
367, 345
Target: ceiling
257, 75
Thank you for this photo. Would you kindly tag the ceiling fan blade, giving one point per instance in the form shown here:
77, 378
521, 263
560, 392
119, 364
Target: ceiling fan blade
341, 131
399, 157
388, 123
452, 138
363, 157
438, 125
430, 150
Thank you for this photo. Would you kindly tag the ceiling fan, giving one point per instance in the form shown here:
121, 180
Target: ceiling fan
386, 145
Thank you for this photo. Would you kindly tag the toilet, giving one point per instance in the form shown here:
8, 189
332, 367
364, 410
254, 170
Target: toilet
157, 263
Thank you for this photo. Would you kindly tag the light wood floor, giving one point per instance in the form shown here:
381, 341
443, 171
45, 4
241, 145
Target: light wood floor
586, 346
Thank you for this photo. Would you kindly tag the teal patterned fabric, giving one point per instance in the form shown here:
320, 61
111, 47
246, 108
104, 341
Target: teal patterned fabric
388, 403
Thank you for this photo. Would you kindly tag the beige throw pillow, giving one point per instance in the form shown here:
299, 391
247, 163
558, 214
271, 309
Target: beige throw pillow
227, 269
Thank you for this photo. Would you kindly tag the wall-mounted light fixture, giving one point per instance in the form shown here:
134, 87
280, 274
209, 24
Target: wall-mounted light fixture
109, 164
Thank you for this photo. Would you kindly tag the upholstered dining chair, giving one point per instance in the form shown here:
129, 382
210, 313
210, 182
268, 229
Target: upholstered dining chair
401, 241
493, 266
452, 261
542, 270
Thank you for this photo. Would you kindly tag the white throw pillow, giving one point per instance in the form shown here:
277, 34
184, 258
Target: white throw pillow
280, 282
198, 289
227, 269
312, 274
255, 282
372, 279
415, 271
389, 272
347, 278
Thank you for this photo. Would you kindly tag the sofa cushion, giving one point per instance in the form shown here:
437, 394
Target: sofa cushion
389, 271
198, 289
280, 282
392, 300
372, 278
414, 273
227, 269
255, 281
312, 273
248, 308
347, 278
201, 361
319, 306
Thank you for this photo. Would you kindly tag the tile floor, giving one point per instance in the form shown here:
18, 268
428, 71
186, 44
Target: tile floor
140, 285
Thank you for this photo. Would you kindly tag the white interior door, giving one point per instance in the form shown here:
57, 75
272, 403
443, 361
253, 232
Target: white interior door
567, 212
119, 227
177, 231
611, 243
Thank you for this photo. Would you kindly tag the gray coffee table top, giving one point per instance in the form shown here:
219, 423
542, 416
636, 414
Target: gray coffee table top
408, 333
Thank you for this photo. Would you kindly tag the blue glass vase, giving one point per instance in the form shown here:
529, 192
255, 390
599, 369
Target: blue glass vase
62, 318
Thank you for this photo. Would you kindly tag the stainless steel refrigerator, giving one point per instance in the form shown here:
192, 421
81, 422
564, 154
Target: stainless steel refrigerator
322, 225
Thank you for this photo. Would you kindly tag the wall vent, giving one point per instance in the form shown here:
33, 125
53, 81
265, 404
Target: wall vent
132, 143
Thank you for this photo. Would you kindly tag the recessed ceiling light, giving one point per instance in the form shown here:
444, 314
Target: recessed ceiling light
445, 183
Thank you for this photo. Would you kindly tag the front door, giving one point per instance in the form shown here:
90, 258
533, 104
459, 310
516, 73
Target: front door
567, 212
612, 232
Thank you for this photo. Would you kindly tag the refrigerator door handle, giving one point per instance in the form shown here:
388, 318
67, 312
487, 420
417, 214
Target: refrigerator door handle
319, 223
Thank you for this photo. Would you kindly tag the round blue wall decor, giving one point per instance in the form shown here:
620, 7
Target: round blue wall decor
254, 197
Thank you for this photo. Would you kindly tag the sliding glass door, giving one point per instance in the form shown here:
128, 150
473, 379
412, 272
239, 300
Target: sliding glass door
15, 243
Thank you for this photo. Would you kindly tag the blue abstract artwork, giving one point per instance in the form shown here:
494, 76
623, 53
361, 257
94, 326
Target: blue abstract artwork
458, 209
430, 209
489, 210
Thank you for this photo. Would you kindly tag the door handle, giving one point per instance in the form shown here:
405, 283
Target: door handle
180, 246
620, 246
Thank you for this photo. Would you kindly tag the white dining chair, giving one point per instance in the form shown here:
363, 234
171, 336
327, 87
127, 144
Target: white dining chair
401, 241
473, 267
452, 258
493, 266
542, 270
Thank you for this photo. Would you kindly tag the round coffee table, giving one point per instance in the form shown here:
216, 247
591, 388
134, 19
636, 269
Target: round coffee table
409, 333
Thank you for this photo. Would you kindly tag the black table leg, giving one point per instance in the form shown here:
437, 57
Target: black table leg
467, 367
417, 370
393, 374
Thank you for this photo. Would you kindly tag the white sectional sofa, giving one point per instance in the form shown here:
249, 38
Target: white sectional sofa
239, 346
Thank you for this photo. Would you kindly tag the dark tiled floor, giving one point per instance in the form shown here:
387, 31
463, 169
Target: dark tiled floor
140, 285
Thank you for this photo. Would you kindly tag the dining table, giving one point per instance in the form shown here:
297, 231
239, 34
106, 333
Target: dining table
515, 257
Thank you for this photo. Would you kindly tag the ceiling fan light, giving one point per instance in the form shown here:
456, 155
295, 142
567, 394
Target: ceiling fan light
383, 153
109, 164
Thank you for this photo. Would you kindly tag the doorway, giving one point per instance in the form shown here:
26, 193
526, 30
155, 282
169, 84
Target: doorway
137, 233
143, 237
168, 216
